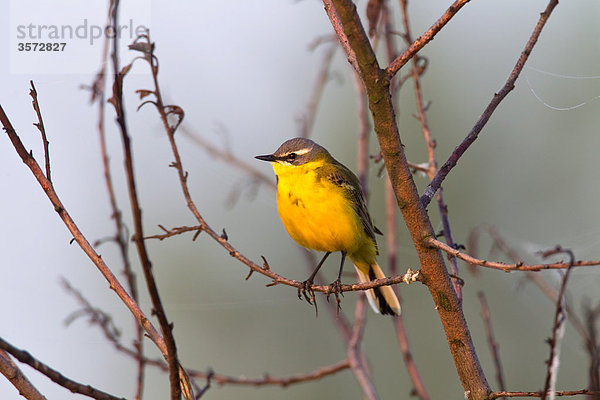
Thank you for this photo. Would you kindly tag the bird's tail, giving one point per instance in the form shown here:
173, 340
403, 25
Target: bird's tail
382, 299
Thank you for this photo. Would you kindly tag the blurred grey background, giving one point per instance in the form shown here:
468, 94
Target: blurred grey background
243, 73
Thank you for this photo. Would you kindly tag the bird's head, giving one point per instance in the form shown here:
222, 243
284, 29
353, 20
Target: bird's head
296, 152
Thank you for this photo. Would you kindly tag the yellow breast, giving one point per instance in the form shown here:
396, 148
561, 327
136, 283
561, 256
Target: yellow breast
315, 212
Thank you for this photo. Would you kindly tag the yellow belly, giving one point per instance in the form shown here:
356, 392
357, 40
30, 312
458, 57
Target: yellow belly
316, 214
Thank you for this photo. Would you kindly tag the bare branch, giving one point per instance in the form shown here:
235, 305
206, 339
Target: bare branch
425, 38
436, 182
558, 328
416, 71
377, 83
54, 375
78, 235
339, 31
40, 126
120, 237
507, 267
15, 376
353, 351
489, 333
138, 238
175, 231
391, 238
593, 348
495, 395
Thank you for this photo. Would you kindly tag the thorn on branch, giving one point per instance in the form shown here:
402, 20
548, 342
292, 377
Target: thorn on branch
163, 228
224, 235
143, 93
266, 266
198, 232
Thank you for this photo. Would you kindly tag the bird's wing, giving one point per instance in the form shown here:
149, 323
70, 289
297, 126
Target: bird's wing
345, 179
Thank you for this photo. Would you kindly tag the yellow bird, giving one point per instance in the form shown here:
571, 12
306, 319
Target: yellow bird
322, 207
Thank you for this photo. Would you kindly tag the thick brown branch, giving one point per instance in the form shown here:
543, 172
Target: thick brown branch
391, 239
377, 83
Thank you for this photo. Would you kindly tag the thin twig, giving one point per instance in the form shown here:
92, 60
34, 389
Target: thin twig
507, 267
78, 235
353, 351
97, 318
558, 327
548, 290
54, 375
175, 231
399, 326
436, 182
593, 348
493, 345
138, 238
430, 144
425, 38
40, 126
265, 380
120, 238
495, 395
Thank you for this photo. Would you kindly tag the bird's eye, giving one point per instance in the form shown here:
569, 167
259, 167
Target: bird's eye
292, 156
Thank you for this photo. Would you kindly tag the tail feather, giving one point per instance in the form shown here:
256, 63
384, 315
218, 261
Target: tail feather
382, 299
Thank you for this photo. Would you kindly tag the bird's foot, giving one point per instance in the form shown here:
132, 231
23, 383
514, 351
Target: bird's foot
336, 289
305, 290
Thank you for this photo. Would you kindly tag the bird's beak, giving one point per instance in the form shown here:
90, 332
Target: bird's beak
267, 157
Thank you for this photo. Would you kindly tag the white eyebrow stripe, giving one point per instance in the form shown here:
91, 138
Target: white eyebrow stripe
301, 151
